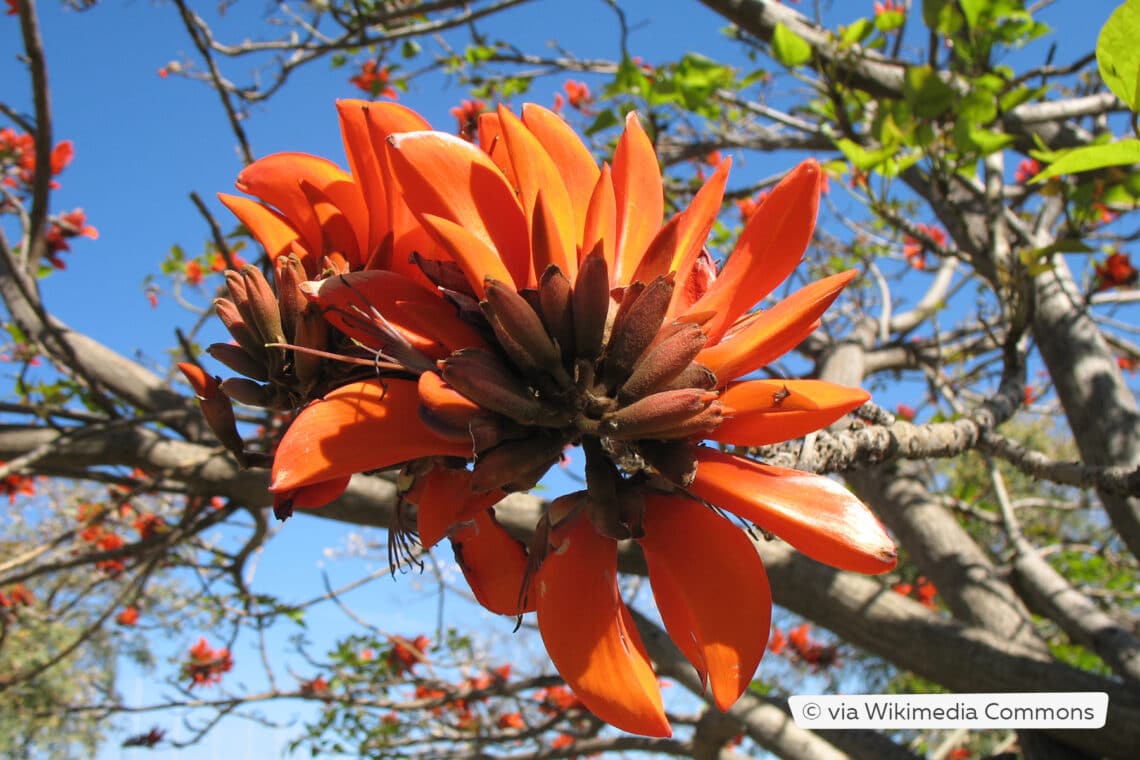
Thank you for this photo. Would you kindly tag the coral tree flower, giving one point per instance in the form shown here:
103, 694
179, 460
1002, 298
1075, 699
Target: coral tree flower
565, 312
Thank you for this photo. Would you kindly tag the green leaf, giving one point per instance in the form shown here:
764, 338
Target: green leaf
410, 49
927, 94
855, 32
789, 48
1118, 55
973, 9
1089, 157
982, 141
602, 121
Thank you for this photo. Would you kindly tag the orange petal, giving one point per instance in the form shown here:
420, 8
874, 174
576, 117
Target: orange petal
446, 176
267, 226
494, 564
337, 232
276, 179
535, 171
770, 411
577, 167
769, 334
477, 259
769, 249
401, 234
815, 514
589, 632
492, 143
601, 220
696, 223
547, 244
356, 428
314, 495
639, 195
365, 167
445, 500
711, 590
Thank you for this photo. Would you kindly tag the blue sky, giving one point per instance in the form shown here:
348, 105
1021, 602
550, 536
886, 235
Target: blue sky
143, 143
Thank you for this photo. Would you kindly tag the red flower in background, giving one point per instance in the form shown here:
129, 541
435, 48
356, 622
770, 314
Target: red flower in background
405, 654
128, 616
1027, 170
373, 79
915, 249
467, 115
206, 665
1116, 271
16, 484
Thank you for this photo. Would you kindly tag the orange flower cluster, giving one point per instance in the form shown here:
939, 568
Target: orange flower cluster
577, 95
206, 665
467, 310
103, 540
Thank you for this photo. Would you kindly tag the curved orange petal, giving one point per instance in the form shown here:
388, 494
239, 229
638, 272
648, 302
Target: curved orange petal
601, 221
358, 427
445, 500
547, 244
577, 167
640, 198
491, 141
392, 244
268, 227
767, 335
494, 564
768, 250
365, 167
276, 179
446, 176
477, 259
696, 223
535, 171
711, 590
337, 231
769, 411
314, 495
815, 514
589, 633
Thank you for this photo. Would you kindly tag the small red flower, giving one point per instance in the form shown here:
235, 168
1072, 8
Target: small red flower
512, 720
467, 114
749, 206
562, 740
778, 642
915, 250
12, 9
17, 485
1115, 272
61, 156
206, 665
905, 412
1127, 363
578, 95
1027, 170
405, 654
373, 79
149, 739
128, 616
194, 273
315, 687
149, 525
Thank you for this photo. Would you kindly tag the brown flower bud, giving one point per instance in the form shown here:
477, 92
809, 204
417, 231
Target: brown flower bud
238, 359
665, 359
482, 377
659, 415
591, 304
519, 329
